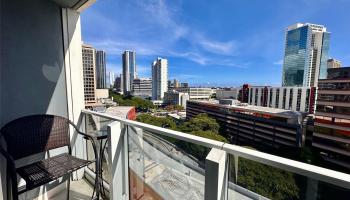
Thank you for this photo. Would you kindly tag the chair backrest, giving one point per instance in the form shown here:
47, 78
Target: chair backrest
34, 134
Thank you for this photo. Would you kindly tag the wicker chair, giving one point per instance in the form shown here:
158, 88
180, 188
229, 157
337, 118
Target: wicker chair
35, 134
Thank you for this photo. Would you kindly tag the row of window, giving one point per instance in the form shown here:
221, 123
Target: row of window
333, 109
284, 100
334, 86
334, 97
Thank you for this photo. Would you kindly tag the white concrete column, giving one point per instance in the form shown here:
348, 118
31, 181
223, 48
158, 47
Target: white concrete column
118, 160
216, 175
137, 164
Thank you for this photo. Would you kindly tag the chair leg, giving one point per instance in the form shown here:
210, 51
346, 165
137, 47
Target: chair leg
14, 189
68, 186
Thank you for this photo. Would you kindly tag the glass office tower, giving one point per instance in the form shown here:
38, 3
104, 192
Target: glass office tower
306, 54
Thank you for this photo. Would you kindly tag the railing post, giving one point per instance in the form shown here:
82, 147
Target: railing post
216, 175
137, 164
311, 189
236, 168
118, 161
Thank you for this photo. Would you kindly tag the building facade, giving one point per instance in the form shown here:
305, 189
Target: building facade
101, 82
142, 87
229, 93
197, 93
176, 98
118, 83
89, 74
332, 118
159, 78
129, 70
184, 85
253, 125
333, 63
306, 55
111, 79
300, 99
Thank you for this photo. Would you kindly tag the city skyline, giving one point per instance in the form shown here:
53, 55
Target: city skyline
203, 45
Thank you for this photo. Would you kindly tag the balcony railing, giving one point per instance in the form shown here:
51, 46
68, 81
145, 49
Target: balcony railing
144, 161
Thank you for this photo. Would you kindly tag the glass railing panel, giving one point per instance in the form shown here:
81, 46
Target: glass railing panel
98, 125
252, 180
164, 168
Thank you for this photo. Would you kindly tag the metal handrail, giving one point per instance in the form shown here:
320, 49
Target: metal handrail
318, 173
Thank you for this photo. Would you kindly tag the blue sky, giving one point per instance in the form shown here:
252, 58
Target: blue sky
216, 43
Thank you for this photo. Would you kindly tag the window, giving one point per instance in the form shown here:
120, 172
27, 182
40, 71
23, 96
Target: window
284, 98
298, 99
290, 98
277, 98
270, 103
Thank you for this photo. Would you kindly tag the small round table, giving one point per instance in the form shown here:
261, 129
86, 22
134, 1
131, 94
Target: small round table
101, 137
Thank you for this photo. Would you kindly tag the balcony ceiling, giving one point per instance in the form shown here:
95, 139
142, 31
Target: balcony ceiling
78, 5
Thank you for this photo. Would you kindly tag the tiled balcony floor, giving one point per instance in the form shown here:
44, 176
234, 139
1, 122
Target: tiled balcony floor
79, 190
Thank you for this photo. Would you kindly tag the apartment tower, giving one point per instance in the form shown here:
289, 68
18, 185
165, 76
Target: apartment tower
89, 59
159, 78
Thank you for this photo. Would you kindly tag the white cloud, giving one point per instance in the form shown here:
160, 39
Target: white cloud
278, 62
156, 32
224, 48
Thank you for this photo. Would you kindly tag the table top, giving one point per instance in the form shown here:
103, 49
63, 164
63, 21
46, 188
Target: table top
98, 134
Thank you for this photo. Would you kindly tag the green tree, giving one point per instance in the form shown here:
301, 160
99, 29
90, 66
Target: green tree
201, 122
267, 181
165, 122
128, 100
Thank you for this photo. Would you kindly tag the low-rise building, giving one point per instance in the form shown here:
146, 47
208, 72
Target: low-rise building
227, 93
253, 125
125, 112
176, 98
197, 93
102, 94
300, 99
332, 117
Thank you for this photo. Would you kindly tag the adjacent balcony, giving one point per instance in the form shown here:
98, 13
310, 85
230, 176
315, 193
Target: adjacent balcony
142, 161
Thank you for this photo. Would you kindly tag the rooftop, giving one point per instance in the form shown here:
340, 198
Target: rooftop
256, 109
119, 111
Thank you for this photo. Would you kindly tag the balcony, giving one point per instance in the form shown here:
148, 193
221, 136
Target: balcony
142, 161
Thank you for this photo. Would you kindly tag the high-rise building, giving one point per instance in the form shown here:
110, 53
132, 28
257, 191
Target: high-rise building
129, 70
89, 59
333, 63
332, 118
142, 87
101, 69
306, 55
111, 79
159, 78
176, 83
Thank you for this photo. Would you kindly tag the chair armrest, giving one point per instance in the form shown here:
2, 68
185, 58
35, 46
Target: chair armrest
7, 156
87, 137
